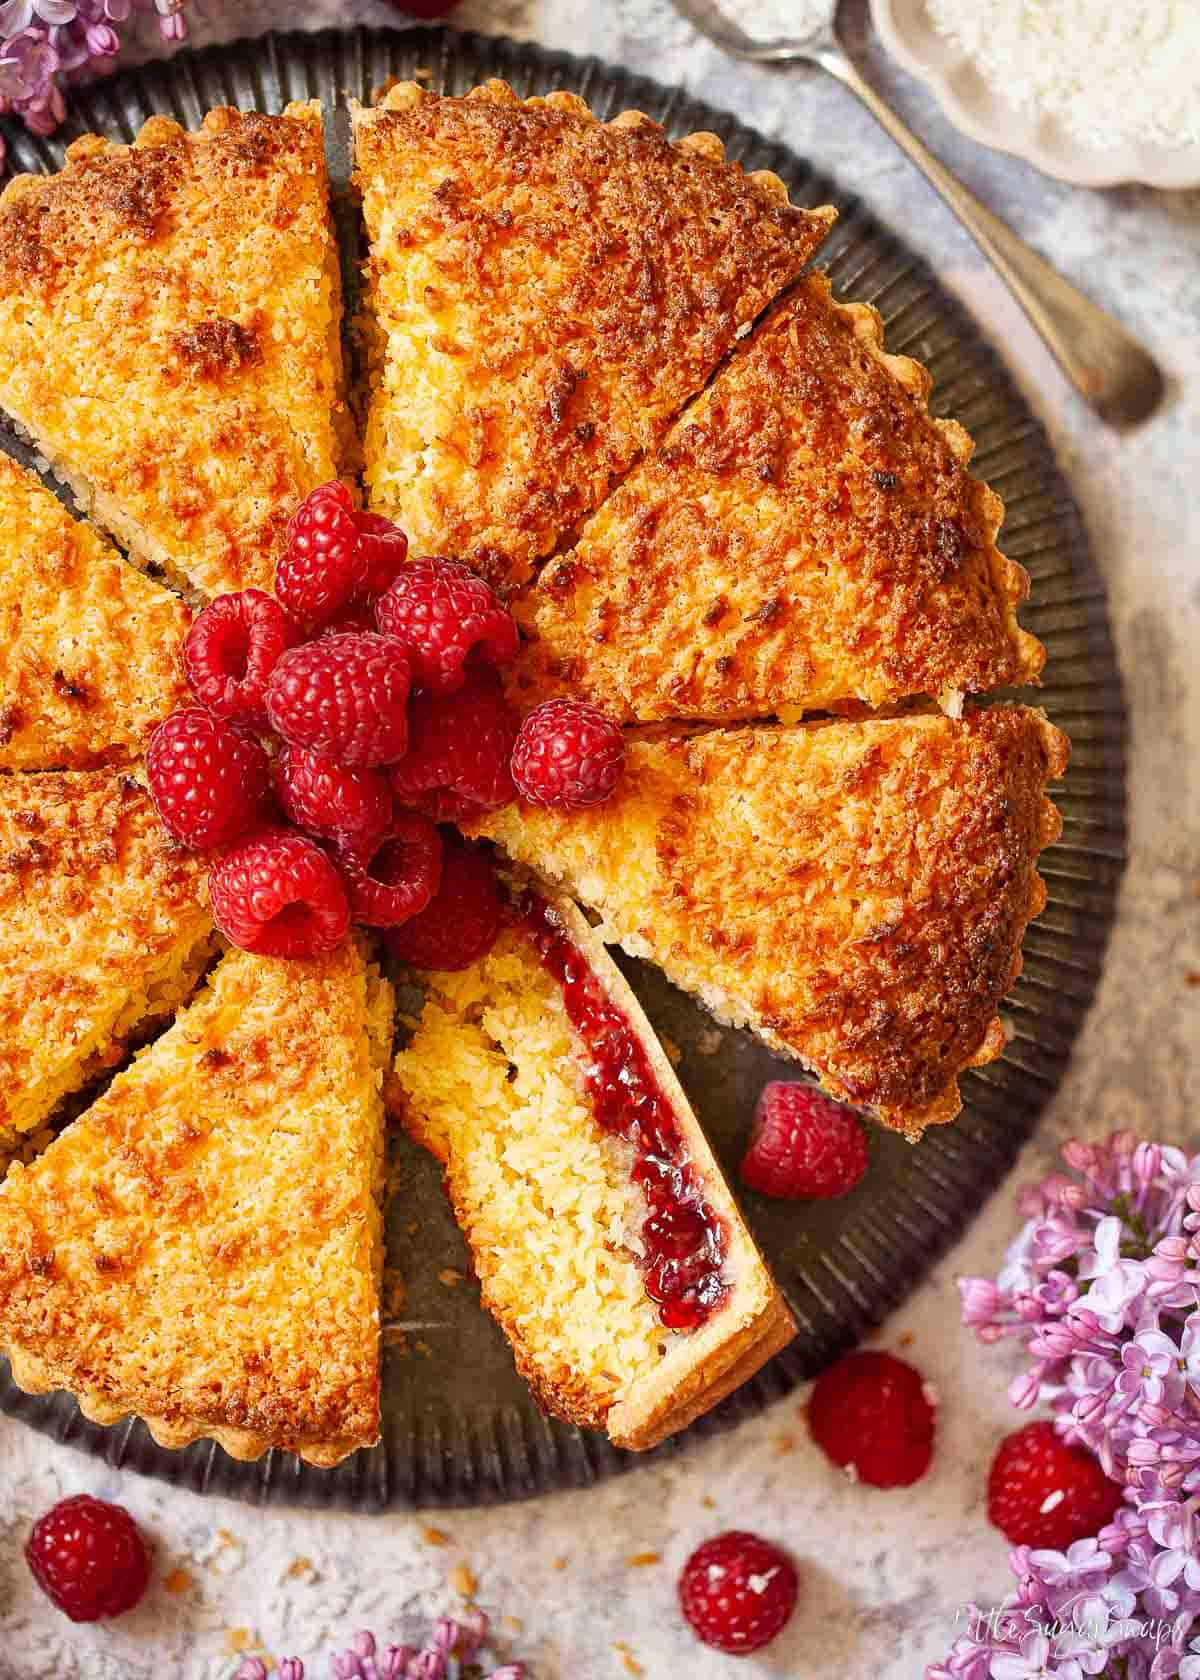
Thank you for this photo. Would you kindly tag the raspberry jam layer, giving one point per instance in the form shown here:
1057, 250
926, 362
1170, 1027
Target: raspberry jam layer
684, 1241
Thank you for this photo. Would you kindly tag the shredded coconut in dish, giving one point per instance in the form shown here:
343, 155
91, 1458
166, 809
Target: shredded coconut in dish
1110, 74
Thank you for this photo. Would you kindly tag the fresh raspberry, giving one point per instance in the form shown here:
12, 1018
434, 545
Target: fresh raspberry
738, 1592
460, 923
1043, 1493
324, 797
803, 1144
231, 650
567, 755
445, 616
385, 550
389, 882
89, 1558
872, 1414
459, 744
323, 565
345, 697
209, 779
277, 894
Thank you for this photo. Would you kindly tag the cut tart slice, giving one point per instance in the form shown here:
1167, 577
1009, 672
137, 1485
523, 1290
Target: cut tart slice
605, 1240
857, 892
103, 928
544, 293
805, 536
203, 1246
169, 335
89, 649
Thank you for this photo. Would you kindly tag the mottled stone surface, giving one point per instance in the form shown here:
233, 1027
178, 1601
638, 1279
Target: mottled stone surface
883, 1574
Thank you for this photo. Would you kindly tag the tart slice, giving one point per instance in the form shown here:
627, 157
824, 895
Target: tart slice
169, 335
805, 536
88, 647
855, 892
605, 1240
103, 928
202, 1247
545, 292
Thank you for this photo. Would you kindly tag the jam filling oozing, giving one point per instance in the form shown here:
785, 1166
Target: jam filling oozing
684, 1240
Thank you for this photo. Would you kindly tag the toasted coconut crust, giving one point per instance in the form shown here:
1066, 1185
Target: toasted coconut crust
546, 291
89, 649
805, 536
202, 1247
856, 892
169, 335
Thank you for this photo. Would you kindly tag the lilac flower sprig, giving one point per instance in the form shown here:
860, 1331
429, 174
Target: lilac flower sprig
46, 43
454, 1651
1102, 1290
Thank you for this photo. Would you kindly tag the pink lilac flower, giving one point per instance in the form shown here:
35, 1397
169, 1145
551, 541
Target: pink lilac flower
455, 1650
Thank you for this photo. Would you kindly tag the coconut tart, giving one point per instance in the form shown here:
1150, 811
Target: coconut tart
545, 290
89, 648
169, 336
202, 1247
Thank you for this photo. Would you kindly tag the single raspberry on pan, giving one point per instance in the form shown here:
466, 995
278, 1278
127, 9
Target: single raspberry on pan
873, 1414
209, 779
231, 650
446, 617
345, 697
277, 894
568, 755
803, 1144
1043, 1493
738, 1592
323, 564
391, 880
324, 797
385, 549
461, 921
459, 746
89, 1558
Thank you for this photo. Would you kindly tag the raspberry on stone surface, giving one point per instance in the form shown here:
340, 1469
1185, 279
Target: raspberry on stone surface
738, 1592
328, 799
456, 767
803, 1144
568, 755
391, 879
461, 922
449, 619
231, 649
323, 565
89, 1558
385, 551
344, 697
873, 1415
276, 893
1044, 1493
210, 779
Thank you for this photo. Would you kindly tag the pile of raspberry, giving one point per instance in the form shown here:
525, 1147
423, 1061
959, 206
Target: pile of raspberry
339, 726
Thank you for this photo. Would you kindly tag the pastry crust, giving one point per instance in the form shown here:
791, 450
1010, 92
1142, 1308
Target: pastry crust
638, 1381
805, 536
169, 336
202, 1247
89, 649
856, 892
545, 291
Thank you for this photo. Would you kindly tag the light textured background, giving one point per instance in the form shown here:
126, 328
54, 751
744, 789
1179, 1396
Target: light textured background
882, 1573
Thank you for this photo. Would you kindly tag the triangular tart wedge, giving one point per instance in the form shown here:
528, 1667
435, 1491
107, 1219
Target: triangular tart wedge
89, 648
856, 892
202, 1247
103, 929
805, 536
605, 1240
544, 292
170, 336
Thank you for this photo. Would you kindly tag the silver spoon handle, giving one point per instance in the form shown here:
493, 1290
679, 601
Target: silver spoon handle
1107, 367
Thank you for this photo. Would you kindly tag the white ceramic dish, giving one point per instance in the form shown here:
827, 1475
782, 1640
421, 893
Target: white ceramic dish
908, 34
